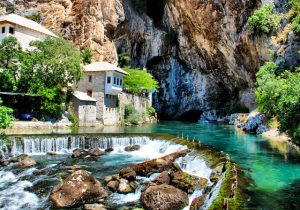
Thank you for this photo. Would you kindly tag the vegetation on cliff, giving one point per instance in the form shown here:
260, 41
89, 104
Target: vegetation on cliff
45, 70
264, 21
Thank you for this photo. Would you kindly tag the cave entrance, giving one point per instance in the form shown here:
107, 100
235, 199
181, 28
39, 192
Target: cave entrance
191, 116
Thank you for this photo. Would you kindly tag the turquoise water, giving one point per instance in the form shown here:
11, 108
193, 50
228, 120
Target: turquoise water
276, 175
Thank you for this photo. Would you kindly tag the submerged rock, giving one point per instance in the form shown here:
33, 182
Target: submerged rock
164, 197
52, 153
78, 188
132, 148
198, 202
158, 165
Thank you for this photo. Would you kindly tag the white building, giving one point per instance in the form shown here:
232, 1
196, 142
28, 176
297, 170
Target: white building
103, 82
23, 29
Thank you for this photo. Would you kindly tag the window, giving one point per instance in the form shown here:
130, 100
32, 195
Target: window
90, 78
3, 30
108, 80
11, 30
121, 82
115, 80
118, 81
90, 93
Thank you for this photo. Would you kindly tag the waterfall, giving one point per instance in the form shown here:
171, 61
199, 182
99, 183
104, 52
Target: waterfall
41, 145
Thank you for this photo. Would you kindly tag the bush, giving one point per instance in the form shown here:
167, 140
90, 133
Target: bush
294, 15
36, 17
5, 116
263, 21
278, 95
132, 116
151, 111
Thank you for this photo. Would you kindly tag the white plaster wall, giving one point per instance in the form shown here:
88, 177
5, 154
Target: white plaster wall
23, 35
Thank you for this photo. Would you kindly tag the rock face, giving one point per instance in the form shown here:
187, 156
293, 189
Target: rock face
211, 61
164, 197
79, 188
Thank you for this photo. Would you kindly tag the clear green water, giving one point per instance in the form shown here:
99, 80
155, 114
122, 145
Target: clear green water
276, 175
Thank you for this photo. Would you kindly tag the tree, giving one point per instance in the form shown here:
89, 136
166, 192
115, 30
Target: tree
5, 116
264, 21
10, 53
139, 80
278, 95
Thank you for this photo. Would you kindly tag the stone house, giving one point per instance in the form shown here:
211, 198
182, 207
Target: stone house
23, 29
102, 83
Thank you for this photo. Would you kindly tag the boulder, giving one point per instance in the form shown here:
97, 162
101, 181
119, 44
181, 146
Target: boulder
107, 179
198, 202
95, 206
128, 173
78, 188
77, 153
109, 150
202, 182
96, 152
27, 162
158, 165
126, 187
164, 197
132, 148
184, 181
113, 185
5, 163
14, 159
163, 178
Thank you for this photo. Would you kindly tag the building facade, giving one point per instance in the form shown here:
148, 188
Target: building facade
103, 82
23, 29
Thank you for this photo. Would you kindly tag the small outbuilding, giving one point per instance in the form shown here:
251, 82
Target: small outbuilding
84, 108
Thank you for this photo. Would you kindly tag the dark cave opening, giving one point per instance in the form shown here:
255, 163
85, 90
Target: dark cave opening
191, 116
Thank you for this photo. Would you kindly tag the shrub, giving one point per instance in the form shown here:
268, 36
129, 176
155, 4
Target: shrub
86, 55
132, 116
5, 116
263, 21
151, 111
73, 118
37, 17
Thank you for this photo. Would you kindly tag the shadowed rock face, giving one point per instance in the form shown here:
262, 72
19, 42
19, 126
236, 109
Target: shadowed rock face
213, 61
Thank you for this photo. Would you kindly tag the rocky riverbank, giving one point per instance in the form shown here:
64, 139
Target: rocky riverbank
176, 178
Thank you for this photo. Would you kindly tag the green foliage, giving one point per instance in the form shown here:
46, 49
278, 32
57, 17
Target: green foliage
124, 60
73, 117
278, 95
264, 21
294, 15
36, 17
151, 111
45, 70
87, 55
139, 80
171, 37
132, 116
5, 116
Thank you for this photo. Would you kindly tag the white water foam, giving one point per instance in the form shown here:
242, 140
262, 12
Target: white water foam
41, 146
13, 195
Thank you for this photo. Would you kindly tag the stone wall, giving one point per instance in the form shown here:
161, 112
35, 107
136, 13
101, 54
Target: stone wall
86, 112
140, 103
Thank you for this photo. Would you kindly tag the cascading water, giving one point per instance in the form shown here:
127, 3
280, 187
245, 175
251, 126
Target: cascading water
40, 146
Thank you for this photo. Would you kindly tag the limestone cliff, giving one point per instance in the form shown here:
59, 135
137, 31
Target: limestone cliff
199, 50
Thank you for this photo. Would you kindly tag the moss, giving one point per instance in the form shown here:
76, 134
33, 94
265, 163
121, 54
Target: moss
239, 199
